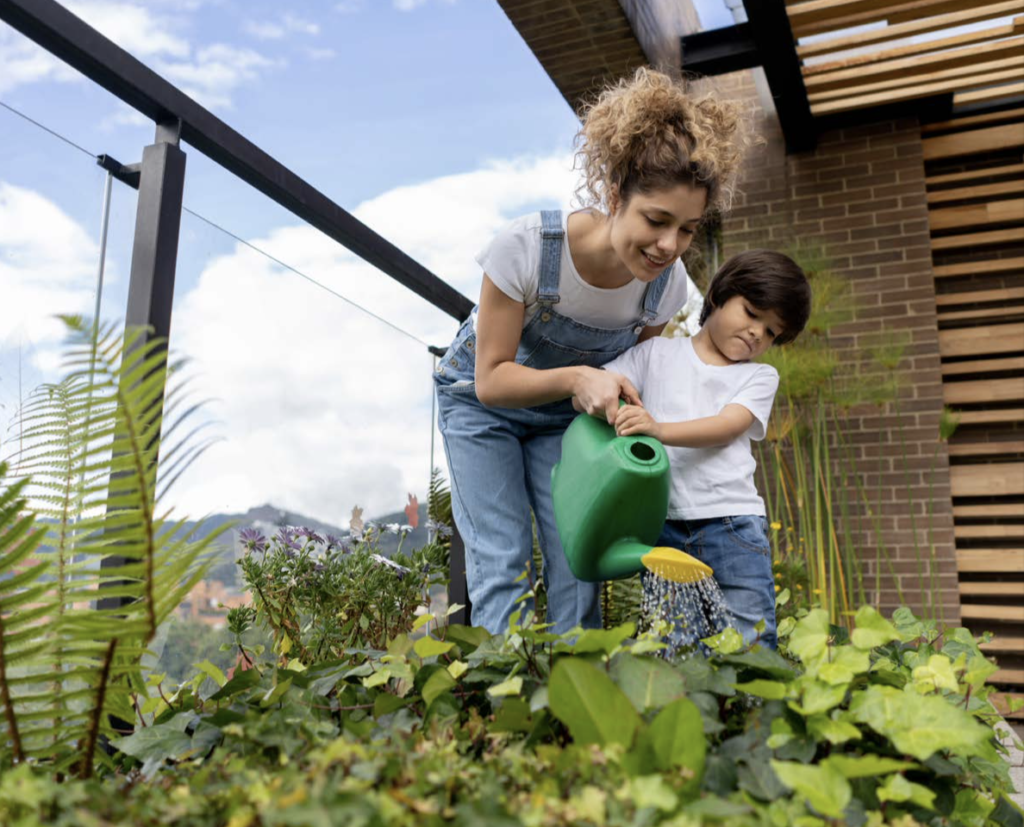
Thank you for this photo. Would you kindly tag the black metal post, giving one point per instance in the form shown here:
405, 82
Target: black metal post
458, 591
154, 256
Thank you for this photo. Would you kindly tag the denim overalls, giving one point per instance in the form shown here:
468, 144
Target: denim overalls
500, 459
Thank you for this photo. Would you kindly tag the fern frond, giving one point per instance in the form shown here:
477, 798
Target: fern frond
95, 441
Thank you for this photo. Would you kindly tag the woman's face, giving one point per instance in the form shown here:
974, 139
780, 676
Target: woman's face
651, 230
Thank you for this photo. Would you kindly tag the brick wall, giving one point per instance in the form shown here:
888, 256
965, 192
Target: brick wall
860, 198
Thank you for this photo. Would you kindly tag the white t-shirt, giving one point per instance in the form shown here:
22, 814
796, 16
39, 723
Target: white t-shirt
512, 262
676, 386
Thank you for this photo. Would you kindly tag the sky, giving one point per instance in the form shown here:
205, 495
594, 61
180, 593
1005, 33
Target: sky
429, 120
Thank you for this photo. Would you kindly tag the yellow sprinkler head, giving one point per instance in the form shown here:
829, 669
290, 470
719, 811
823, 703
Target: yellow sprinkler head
675, 565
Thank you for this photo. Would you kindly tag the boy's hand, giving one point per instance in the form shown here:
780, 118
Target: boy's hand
633, 419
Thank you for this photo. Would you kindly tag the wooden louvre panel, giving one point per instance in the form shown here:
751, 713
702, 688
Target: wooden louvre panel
818, 16
919, 26
924, 66
975, 194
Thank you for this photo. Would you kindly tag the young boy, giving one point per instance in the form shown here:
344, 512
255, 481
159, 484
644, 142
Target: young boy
705, 398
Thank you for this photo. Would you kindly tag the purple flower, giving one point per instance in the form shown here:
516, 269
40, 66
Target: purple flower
253, 539
309, 534
284, 535
318, 567
440, 529
381, 560
290, 553
333, 542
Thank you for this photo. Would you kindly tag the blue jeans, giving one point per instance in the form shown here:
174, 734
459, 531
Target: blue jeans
738, 552
501, 461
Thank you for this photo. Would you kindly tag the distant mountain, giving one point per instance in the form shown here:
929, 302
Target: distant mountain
269, 518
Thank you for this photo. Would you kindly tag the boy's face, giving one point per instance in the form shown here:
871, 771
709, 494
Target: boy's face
740, 331
651, 230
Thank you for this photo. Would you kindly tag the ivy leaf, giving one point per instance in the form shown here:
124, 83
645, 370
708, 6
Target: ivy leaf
936, 674
898, 788
978, 671
651, 791
676, 739
725, 642
834, 731
865, 766
513, 686
587, 701
457, 669
871, 629
275, 693
604, 640
809, 639
823, 786
769, 690
648, 682
427, 647
441, 680
816, 696
843, 665
155, 744
919, 725
422, 621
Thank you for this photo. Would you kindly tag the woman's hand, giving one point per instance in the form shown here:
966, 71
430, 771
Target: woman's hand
597, 392
636, 420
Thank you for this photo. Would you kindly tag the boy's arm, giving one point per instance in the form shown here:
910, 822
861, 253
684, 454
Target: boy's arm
707, 432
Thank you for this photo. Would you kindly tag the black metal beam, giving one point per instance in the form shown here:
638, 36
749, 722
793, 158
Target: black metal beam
769, 26
54, 28
720, 51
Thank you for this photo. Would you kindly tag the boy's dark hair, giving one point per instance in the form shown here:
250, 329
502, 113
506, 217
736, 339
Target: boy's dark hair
769, 281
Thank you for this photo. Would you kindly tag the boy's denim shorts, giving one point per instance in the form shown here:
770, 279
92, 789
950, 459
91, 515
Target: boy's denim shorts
739, 553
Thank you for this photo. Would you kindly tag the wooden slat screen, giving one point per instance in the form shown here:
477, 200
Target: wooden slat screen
916, 49
975, 179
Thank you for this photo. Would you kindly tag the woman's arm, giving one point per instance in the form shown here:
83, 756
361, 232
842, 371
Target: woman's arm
500, 382
707, 432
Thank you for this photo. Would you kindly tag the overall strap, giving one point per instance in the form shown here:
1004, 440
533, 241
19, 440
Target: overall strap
652, 298
551, 235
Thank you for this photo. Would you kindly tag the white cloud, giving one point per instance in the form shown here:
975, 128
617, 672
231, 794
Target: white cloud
275, 30
409, 5
215, 72
211, 73
324, 407
24, 62
320, 54
47, 266
132, 27
348, 6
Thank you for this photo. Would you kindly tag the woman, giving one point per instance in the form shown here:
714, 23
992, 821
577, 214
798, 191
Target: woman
562, 296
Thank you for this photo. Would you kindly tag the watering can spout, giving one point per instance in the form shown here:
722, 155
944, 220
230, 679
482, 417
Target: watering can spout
610, 498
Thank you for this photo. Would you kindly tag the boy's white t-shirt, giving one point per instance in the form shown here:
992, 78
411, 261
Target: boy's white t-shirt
675, 386
512, 262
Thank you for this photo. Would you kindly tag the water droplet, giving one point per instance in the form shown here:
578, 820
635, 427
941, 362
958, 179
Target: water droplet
683, 613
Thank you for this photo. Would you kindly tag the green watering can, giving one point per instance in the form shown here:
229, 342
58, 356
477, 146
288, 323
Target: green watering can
610, 496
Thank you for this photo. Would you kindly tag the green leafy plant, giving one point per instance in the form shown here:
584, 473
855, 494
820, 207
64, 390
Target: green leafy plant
319, 596
92, 444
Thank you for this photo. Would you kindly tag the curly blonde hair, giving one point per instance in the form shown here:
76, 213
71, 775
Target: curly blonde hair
646, 133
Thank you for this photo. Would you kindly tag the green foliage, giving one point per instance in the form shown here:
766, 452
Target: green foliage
93, 442
320, 597
462, 727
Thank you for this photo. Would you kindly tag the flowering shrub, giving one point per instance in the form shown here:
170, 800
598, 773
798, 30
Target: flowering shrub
321, 596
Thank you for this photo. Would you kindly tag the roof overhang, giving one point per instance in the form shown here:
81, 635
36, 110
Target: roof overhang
828, 63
